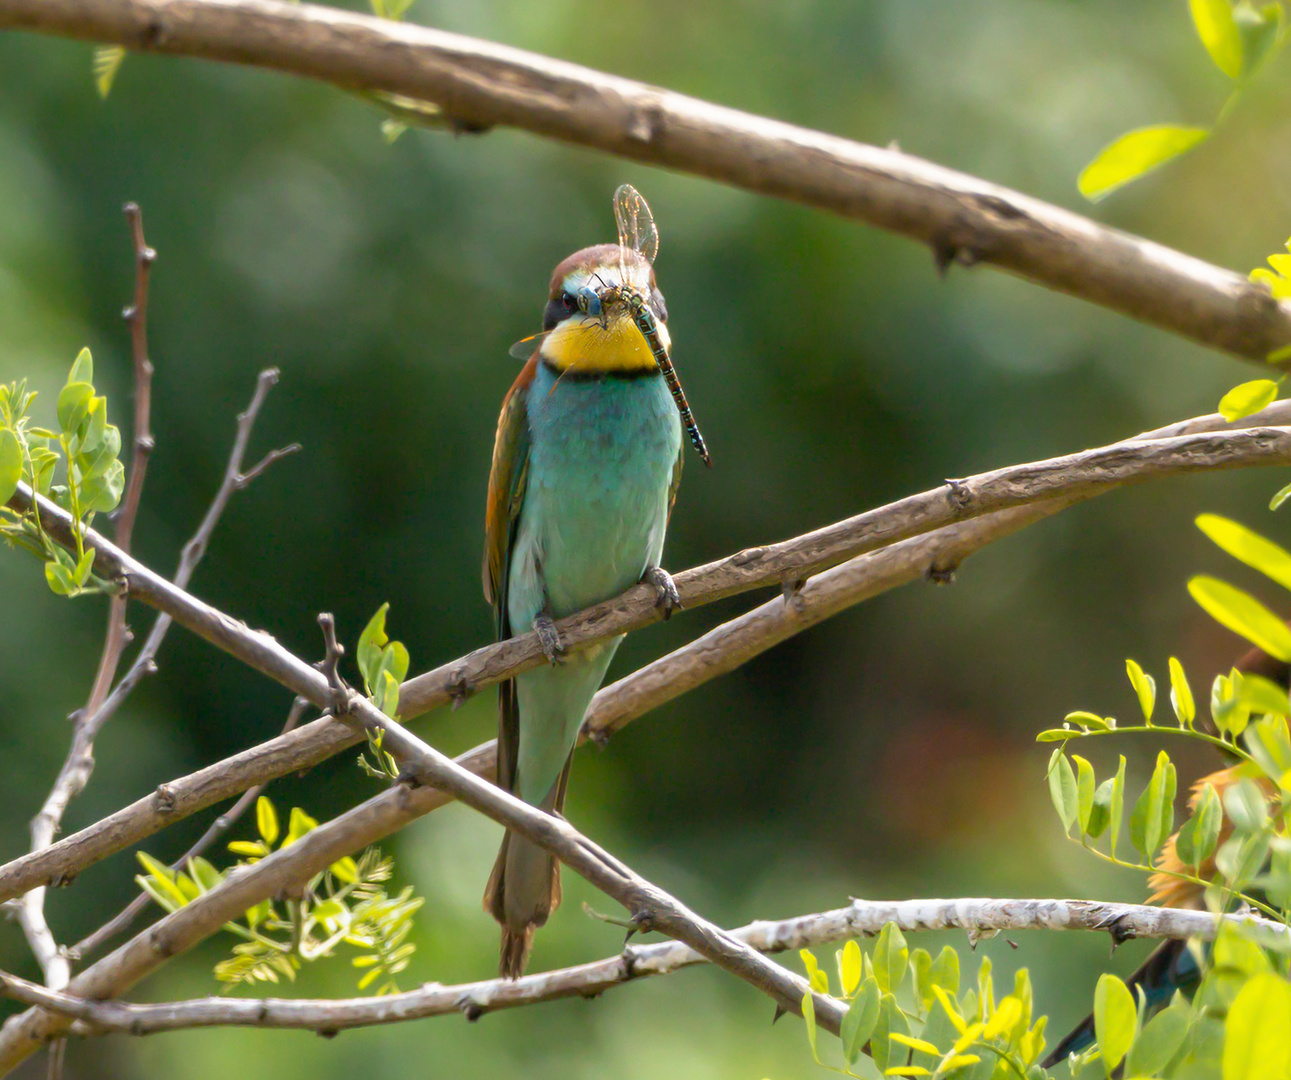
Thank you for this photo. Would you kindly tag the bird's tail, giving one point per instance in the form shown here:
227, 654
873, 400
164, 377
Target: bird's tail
524, 889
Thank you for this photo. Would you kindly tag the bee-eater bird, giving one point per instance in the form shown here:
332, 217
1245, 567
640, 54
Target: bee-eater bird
585, 471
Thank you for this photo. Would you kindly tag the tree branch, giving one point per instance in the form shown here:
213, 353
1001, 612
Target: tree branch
478, 84
980, 918
933, 554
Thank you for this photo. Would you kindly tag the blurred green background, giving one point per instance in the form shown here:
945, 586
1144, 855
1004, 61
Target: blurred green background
888, 753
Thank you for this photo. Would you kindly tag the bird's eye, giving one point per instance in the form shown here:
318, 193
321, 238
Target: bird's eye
569, 301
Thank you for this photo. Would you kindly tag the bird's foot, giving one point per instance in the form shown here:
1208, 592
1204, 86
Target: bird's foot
549, 638
669, 599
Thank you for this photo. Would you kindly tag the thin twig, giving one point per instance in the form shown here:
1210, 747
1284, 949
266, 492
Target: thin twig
934, 554
980, 918
479, 84
75, 772
219, 827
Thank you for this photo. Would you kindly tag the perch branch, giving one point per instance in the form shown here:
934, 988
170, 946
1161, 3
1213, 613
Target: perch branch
478, 84
980, 918
936, 552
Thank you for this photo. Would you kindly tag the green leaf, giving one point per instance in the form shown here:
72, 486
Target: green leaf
82, 368
862, 1016
891, 955
1259, 30
59, 578
891, 1022
1243, 614
99, 494
1100, 811
1257, 1033
808, 1016
10, 464
73, 406
1062, 789
1144, 686
1136, 153
1282, 495
1084, 791
1247, 398
1158, 1042
1185, 708
1249, 547
83, 567
371, 647
1114, 1020
1118, 804
267, 820
1218, 32
1200, 833
945, 970
1089, 720
1261, 695
1152, 819
1245, 805
1269, 743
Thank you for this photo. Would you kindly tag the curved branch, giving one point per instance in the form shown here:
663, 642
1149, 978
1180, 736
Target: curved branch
478, 84
980, 918
936, 553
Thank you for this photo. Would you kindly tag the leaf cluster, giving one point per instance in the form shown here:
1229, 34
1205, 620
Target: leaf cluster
907, 1015
346, 905
93, 477
384, 666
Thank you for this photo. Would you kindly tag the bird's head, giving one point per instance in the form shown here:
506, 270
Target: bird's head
585, 338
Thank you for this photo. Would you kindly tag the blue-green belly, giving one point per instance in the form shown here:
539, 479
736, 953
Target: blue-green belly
595, 510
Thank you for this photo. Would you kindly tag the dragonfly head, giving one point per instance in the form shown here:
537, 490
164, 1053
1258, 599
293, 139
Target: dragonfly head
589, 327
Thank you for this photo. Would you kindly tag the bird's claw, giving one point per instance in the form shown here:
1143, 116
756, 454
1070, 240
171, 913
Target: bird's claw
669, 598
549, 638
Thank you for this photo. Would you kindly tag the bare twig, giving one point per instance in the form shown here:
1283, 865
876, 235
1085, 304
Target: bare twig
935, 553
76, 770
980, 918
478, 84
122, 920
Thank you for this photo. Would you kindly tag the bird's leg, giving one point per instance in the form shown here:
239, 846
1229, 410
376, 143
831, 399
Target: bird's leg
669, 598
549, 638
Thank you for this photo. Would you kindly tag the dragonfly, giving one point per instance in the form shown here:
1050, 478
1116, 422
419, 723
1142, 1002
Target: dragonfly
637, 233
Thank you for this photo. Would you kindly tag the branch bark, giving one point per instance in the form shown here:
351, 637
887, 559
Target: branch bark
478, 84
931, 555
981, 918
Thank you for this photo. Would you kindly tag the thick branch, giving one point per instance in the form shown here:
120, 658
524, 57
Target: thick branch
936, 553
479, 84
980, 918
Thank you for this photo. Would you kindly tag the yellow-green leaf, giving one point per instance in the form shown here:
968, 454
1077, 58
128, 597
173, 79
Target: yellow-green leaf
1247, 398
1144, 686
1257, 1033
1185, 708
1218, 32
1136, 153
10, 465
1243, 614
107, 62
1250, 547
1114, 1016
267, 820
850, 968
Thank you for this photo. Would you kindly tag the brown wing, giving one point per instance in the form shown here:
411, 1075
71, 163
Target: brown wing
506, 494
676, 478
